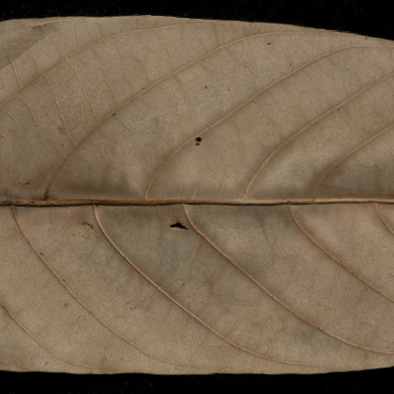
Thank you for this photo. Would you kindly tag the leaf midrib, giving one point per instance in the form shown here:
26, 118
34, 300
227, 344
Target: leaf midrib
169, 201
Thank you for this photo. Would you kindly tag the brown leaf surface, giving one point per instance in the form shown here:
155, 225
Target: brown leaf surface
188, 196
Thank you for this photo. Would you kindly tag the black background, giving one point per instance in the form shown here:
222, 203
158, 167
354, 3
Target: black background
371, 18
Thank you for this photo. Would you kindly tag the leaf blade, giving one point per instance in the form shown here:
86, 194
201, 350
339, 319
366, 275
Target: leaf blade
187, 196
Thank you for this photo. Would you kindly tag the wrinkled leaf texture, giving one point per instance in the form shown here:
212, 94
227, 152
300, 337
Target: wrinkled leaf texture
189, 196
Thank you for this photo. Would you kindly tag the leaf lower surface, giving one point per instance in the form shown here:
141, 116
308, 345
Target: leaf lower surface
186, 196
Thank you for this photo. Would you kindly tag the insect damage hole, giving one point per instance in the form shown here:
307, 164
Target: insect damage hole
198, 140
178, 225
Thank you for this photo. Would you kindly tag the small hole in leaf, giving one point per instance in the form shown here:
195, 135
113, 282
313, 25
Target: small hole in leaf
178, 225
198, 140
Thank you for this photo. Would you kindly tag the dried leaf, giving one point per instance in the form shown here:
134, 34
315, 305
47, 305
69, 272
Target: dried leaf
188, 196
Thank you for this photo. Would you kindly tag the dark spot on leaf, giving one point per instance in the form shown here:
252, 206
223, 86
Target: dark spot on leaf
178, 225
269, 43
86, 224
41, 254
205, 86
198, 140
